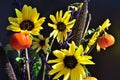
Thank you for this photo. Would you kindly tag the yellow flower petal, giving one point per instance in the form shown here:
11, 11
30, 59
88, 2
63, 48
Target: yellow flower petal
74, 74
35, 45
33, 14
54, 33
72, 48
54, 26
65, 36
58, 67
53, 71
30, 13
90, 78
66, 74
81, 71
35, 31
14, 24
52, 17
98, 47
11, 19
69, 27
60, 74
18, 13
71, 22
25, 12
105, 25
85, 60
66, 52
15, 20
60, 37
55, 61
36, 39
58, 54
14, 28
87, 49
41, 37
40, 21
86, 57
79, 51
65, 16
59, 16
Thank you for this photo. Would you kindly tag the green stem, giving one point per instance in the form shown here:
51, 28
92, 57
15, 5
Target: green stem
50, 49
44, 72
18, 51
47, 56
91, 48
86, 29
27, 64
86, 71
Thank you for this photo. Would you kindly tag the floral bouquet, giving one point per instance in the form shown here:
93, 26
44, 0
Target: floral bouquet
64, 54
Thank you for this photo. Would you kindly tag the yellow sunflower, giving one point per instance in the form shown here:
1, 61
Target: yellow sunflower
61, 25
40, 43
68, 63
26, 20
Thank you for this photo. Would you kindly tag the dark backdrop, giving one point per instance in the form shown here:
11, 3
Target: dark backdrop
107, 62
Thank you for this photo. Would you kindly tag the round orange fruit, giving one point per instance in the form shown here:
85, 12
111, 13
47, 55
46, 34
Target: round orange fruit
106, 41
20, 41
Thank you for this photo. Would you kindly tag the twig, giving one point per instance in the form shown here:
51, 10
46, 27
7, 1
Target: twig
80, 24
88, 24
27, 64
6, 64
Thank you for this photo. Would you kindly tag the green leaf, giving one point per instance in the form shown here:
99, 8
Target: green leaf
18, 59
75, 6
37, 66
91, 31
48, 50
8, 48
32, 55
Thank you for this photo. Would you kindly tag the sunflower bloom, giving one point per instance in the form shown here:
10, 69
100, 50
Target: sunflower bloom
40, 43
95, 36
68, 63
61, 25
26, 20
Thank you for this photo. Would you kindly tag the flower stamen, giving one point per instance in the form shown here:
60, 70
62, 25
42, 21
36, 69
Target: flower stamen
27, 25
42, 42
70, 62
61, 26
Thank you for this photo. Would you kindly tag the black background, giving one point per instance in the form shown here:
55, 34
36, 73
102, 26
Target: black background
107, 62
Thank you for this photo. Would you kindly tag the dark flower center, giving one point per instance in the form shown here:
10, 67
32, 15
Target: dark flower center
27, 25
61, 26
42, 42
70, 62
